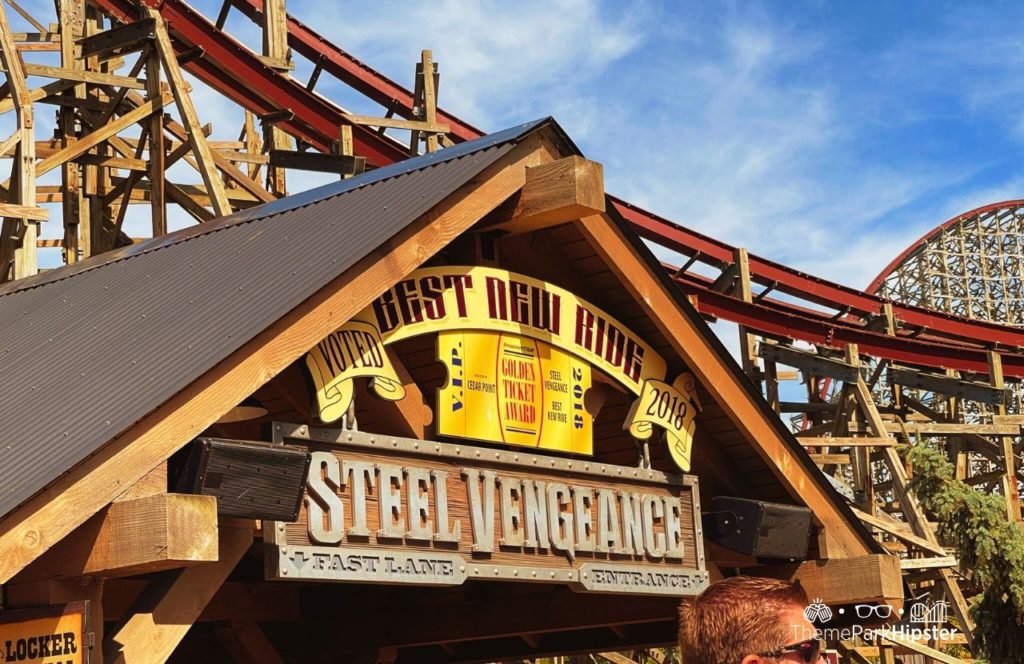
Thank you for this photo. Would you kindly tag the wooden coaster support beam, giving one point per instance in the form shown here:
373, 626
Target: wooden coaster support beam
1010, 487
194, 133
276, 52
18, 244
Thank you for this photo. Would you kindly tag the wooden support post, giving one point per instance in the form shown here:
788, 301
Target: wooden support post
275, 48
252, 143
166, 610
748, 356
18, 244
910, 507
148, 534
157, 148
1010, 487
862, 476
77, 242
195, 136
429, 96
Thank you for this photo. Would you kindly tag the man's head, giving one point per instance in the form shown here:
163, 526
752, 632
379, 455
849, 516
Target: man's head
745, 620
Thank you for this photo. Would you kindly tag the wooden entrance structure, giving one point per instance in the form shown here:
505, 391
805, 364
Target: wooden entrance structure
89, 510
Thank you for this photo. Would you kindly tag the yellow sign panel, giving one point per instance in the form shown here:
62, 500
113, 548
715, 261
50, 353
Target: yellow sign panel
494, 314
513, 389
49, 635
354, 351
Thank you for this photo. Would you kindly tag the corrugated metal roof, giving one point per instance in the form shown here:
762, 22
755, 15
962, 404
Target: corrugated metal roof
89, 349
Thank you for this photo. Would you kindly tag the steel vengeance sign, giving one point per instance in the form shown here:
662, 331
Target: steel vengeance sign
395, 510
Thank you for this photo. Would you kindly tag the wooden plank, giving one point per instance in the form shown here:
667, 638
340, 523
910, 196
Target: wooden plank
712, 370
430, 99
398, 123
860, 579
24, 212
914, 646
124, 38
556, 193
44, 520
99, 135
948, 385
19, 233
158, 162
195, 135
816, 364
317, 161
899, 531
846, 441
928, 563
830, 459
153, 533
1010, 487
75, 76
166, 611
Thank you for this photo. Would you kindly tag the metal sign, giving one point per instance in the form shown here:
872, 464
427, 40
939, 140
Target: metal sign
535, 314
397, 510
46, 635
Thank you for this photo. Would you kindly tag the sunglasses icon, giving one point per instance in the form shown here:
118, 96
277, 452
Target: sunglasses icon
882, 611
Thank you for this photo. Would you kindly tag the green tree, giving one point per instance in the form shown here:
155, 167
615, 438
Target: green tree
990, 549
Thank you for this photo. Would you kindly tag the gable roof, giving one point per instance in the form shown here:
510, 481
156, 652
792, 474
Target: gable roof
89, 349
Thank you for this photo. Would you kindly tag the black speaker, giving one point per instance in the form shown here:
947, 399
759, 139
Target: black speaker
251, 480
753, 527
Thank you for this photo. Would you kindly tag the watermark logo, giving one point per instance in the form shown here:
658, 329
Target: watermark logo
924, 621
818, 611
921, 612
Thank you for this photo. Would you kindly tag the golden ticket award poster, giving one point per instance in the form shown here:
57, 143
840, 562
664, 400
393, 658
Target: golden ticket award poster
513, 389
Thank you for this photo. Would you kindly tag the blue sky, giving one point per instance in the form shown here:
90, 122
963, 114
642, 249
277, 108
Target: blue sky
824, 135
827, 136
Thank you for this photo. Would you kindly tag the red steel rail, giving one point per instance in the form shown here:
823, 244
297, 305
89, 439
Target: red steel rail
236, 71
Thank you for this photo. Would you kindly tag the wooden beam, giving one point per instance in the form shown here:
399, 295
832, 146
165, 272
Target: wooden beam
846, 441
920, 649
1010, 486
189, 117
317, 161
167, 609
24, 211
928, 563
149, 534
76, 76
18, 243
398, 123
247, 643
742, 407
899, 531
124, 38
948, 385
819, 365
557, 193
99, 135
861, 579
48, 517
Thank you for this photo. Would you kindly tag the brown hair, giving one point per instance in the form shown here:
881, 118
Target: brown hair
736, 617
